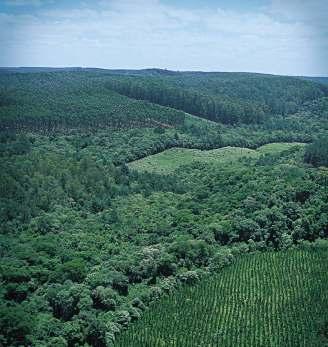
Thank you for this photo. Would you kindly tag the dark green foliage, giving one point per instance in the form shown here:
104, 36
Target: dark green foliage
317, 152
74, 270
221, 97
93, 237
240, 305
65, 102
82, 100
322, 80
318, 107
87, 243
166, 265
15, 323
120, 283
105, 298
191, 252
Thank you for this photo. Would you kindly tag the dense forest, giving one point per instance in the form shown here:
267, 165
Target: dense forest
222, 97
88, 241
64, 101
68, 100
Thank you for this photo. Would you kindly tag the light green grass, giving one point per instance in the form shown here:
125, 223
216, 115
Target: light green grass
169, 160
278, 147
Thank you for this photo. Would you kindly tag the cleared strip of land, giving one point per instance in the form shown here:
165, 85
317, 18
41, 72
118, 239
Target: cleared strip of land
169, 160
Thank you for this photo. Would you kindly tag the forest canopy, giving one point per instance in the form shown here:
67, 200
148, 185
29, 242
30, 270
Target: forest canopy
89, 240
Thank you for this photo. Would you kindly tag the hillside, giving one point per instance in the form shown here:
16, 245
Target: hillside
322, 80
108, 203
273, 299
229, 98
84, 98
64, 101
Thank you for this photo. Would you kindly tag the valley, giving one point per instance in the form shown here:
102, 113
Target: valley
129, 198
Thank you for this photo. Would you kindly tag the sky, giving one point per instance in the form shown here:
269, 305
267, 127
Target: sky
288, 37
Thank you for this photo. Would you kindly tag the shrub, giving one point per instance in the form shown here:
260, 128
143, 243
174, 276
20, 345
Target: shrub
222, 258
74, 270
105, 298
189, 277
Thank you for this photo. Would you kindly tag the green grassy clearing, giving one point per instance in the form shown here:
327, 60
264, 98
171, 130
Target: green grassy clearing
169, 160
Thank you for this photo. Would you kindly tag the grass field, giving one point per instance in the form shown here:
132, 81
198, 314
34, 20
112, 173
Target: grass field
263, 300
169, 160
272, 148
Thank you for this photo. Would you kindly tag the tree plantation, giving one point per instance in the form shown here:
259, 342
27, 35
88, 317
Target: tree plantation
159, 208
222, 97
271, 299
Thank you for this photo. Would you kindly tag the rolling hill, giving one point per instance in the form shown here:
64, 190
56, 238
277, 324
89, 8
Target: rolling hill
119, 188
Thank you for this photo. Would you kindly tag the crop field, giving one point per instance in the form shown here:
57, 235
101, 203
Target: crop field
169, 160
265, 300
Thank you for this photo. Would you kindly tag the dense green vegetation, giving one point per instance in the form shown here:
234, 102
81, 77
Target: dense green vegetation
63, 101
271, 299
89, 239
323, 80
317, 152
223, 97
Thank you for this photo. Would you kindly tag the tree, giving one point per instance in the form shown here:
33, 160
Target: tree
166, 265
105, 298
317, 152
120, 283
74, 270
16, 323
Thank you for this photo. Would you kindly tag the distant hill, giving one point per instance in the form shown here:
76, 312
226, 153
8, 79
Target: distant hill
66, 99
323, 80
225, 97
36, 69
70, 98
143, 72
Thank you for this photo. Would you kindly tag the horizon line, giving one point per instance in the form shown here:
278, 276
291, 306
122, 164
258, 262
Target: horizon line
156, 68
